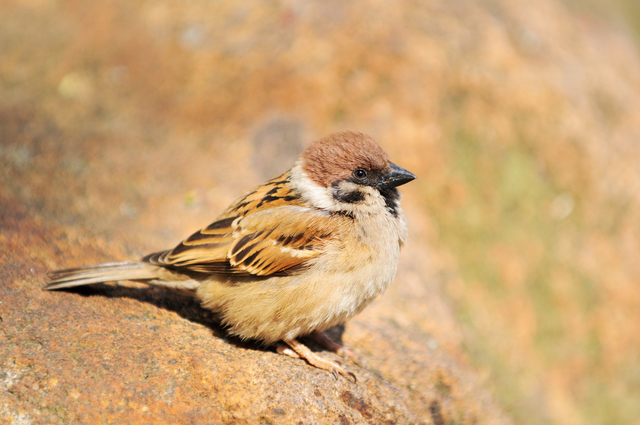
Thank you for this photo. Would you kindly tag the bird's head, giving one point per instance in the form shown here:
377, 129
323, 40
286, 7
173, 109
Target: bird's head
349, 172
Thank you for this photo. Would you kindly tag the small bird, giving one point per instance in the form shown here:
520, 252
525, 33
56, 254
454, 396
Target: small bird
294, 257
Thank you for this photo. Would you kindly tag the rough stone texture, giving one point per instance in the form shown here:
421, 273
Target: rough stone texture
124, 126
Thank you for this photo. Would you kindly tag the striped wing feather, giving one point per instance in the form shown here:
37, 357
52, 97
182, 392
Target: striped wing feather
279, 234
276, 192
279, 240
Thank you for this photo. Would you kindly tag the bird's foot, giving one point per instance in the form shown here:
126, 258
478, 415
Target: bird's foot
296, 349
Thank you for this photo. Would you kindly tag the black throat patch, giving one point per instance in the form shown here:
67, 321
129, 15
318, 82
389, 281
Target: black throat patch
391, 196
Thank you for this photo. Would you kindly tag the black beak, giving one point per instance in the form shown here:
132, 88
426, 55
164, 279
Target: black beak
397, 176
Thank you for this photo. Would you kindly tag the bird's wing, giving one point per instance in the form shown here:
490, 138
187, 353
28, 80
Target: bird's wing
263, 243
274, 193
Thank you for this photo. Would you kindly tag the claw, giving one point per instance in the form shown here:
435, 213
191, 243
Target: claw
335, 373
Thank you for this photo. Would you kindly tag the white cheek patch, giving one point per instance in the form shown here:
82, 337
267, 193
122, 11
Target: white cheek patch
318, 196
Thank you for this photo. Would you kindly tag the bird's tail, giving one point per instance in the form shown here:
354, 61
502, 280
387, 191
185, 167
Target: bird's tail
109, 272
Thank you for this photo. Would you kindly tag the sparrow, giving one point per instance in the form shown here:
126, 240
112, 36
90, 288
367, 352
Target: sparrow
297, 255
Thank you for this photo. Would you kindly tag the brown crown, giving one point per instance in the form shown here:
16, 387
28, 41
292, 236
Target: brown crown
334, 157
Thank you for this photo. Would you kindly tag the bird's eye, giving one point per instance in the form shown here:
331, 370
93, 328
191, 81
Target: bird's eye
360, 174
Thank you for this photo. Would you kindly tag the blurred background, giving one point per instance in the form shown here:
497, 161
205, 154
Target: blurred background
520, 119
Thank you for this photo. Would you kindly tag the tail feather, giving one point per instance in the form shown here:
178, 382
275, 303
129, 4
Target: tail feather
109, 272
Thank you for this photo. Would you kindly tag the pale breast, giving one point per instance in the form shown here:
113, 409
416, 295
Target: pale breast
357, 266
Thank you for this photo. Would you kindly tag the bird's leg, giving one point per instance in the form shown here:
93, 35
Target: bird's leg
283, 348
341, 350
298, 349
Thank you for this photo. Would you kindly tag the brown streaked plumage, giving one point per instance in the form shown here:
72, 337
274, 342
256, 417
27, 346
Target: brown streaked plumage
297, 255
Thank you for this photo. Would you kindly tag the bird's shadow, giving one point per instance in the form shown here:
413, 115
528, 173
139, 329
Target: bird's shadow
189, 308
